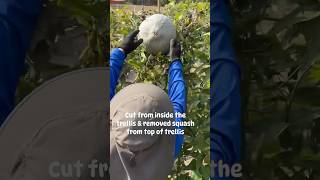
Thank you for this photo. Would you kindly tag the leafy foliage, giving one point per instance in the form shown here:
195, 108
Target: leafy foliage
192, 22
71, 34
278, 47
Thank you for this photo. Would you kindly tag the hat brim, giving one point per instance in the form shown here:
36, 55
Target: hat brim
63, 95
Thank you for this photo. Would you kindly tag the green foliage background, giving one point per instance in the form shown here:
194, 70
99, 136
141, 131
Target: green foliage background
73, 31
192, 22
278, 46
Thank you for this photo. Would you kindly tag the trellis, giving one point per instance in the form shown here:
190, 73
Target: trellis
158, 4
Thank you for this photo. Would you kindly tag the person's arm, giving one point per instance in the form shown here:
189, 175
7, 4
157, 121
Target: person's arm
17, 21
177, 89
225, 89
117, 57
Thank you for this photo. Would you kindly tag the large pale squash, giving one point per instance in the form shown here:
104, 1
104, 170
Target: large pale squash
157, 31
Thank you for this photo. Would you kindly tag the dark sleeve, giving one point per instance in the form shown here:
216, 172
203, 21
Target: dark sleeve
117, 58
225, 89
17, 21
178, 97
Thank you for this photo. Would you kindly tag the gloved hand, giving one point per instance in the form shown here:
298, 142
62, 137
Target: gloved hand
175, 50
130, 42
